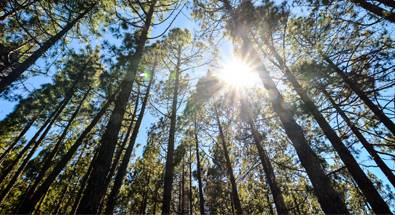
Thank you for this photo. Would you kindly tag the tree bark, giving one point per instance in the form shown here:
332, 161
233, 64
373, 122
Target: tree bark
121, 149
181, 203
190, 181
198, 171
169, 167
111, 200
234, 192
28, 206
369, 148
22, 67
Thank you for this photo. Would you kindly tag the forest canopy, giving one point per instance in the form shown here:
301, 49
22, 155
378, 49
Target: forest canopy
197, 107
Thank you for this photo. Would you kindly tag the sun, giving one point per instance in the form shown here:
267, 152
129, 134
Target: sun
237, 73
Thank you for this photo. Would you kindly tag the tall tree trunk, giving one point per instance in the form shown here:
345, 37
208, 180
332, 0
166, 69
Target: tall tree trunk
48, 159
22, 67
144, 202
361, 94
36, 144
265, 160
369, 148
190, 181
121, 148
71, 196
30, 203
19, 137
182, 189
234, 193
60, 200
364, 183
329, 199
95, 190
111, 200
169, 167
388, 3
380, 12
84, 179
269, 172
198, 171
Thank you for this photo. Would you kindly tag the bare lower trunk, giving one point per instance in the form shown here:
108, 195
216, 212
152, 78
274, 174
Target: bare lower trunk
84, 179
198, 172
121, 147
234, 191
269, 172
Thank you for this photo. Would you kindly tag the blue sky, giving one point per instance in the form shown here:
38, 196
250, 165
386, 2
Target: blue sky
183, 21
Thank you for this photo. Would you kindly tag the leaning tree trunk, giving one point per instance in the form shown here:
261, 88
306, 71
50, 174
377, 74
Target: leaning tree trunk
120, 150
84, 179
26, 160
269, 172
234, 193
265, 160
369, 148
329, 199
5, 172
48, 159
190, 181
388, 3
94, 192
19, 137
111, 200
198, 171
22, 67
169, 167
380, 12
361, 94
118, 154
29, 205
364, 183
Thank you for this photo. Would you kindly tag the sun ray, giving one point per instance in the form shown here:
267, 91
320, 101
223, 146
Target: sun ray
237, 73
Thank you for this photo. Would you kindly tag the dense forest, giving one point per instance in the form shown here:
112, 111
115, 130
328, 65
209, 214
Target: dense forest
197, 107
